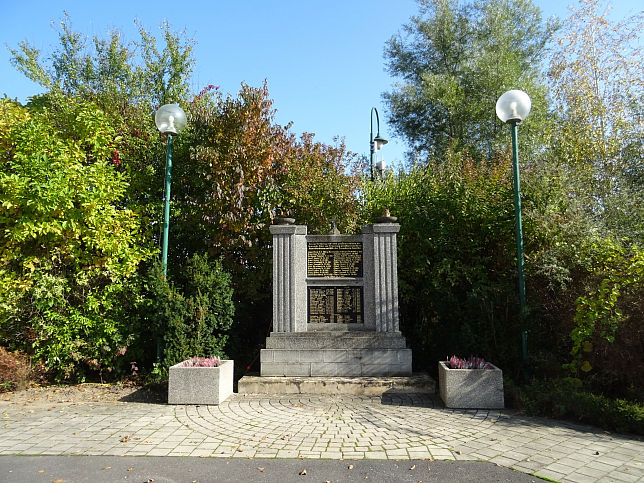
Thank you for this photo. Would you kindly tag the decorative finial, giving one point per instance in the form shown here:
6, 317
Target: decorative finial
283, 220
386, 217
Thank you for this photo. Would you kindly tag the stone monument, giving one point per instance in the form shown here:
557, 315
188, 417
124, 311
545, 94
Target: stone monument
335, 304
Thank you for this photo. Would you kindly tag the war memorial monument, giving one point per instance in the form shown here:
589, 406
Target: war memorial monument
335, 315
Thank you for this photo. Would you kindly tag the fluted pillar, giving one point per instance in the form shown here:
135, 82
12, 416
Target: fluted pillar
289, 278
382, 276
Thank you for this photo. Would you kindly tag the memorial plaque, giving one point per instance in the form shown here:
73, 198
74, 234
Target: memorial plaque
334, 259
335, 305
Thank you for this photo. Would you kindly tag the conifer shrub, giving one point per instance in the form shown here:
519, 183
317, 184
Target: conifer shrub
191, 312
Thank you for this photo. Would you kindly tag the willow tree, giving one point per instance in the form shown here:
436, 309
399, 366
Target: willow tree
453, 61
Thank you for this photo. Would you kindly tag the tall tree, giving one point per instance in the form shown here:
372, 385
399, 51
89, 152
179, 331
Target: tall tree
454, 61
138, 71
597, 78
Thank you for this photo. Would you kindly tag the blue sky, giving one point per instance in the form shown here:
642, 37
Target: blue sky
323, 60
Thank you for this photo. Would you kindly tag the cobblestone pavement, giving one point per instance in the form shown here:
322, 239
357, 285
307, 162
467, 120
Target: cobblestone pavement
399, 427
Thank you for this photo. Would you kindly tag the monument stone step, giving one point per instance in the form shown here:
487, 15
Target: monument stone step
362, 386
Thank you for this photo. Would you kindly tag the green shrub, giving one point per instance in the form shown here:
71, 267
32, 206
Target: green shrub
80, 340
567, 398
455, 258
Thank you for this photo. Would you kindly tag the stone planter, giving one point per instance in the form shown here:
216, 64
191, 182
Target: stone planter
200, 385
471, 388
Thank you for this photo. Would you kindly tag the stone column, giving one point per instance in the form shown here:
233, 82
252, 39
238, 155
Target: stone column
289, 278
382, 278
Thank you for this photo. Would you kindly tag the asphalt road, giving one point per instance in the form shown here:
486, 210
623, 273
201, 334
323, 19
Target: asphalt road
70, 469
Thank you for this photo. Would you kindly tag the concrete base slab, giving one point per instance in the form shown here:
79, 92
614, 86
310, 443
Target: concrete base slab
364, 386
335, 354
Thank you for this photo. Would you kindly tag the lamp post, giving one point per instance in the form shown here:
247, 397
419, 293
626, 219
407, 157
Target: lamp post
512, 108
376, 144
169, 119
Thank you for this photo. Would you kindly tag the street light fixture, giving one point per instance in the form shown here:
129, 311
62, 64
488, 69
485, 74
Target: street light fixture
169, 119
376, 144
512, 108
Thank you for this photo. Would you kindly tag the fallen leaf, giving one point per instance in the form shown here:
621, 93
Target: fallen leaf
260, 469
413, 467
125, 439
130, 468
107, 468
41, 471
303, 472
350, 467
59, 480
459, 452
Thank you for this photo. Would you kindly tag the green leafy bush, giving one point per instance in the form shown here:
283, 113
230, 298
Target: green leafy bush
455, 258
610, 312
69, 246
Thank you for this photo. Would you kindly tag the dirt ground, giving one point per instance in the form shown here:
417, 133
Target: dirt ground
79, 394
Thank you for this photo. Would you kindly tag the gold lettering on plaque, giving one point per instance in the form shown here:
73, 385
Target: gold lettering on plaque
335, 305
334, 259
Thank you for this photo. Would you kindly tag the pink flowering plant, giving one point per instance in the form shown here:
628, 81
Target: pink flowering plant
469, 363
202, 362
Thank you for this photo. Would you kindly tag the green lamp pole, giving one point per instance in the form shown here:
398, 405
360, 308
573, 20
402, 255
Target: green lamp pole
512, 108
169, 119
375, 144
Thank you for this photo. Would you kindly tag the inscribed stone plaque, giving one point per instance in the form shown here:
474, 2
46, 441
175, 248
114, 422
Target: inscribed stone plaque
334, 259
335, 305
